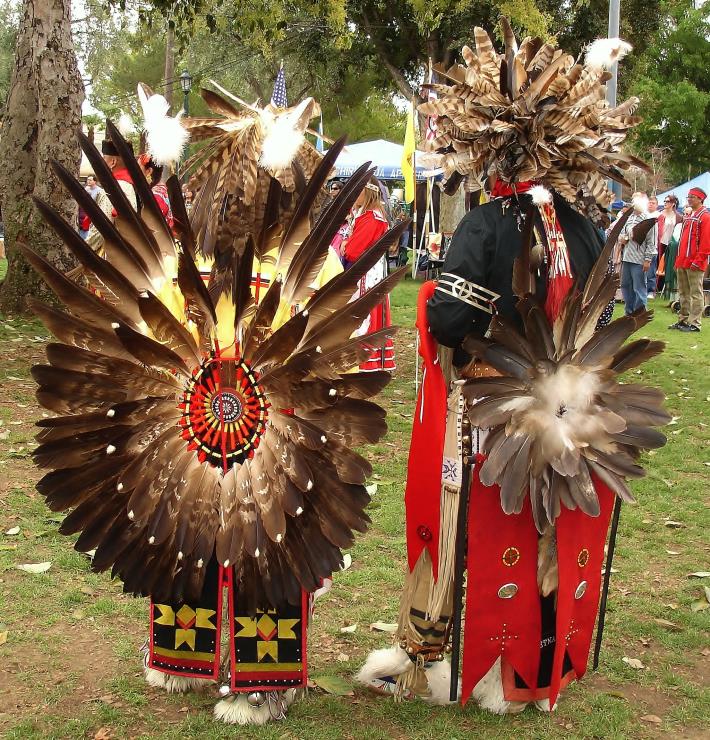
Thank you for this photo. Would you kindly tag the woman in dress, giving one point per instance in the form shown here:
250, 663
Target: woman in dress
368, 226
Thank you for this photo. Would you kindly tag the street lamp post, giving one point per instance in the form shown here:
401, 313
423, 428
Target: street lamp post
614, 13
186, 85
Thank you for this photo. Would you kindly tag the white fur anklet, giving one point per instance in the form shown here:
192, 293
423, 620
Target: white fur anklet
488, 693
255, 708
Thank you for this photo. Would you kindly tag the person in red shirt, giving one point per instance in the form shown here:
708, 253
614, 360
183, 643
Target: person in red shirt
692, 262
369, 225
153, 173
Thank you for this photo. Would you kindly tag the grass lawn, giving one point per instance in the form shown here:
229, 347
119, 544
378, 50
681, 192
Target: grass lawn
69, 639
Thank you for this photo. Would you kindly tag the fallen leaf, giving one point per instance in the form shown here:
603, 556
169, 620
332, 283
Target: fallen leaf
13, 530
349, 629
184, 709
3, 637
673, 525
699, 606
633, 663
34, 567
371, 490
342, 657
699, 574
645, 641
673, 552
383, 627
6, 433
334, 685
616, 695
103, 733
705, 652
651, 718
667, 624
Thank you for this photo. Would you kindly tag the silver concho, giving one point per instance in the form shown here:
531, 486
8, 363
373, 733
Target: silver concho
507, 591
581, 590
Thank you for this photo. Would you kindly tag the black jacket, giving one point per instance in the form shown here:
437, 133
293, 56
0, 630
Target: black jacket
482, 251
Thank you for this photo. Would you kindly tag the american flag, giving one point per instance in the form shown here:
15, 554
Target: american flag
278, 98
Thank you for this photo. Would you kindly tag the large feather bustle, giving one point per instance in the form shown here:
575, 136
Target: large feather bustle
532, 113
559, 414
142, 493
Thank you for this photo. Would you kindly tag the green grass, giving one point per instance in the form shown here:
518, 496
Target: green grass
70, 664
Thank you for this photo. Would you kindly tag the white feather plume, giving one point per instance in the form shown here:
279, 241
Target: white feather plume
540, 195
166, 137
603, 53
640, 203
125, 125
285, 134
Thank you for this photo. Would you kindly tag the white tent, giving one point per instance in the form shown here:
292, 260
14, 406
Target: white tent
681, 191
385, 155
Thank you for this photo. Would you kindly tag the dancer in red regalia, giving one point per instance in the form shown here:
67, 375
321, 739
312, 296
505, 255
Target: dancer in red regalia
522, 435
369, 226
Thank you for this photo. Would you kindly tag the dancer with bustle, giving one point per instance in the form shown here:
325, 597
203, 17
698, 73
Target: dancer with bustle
204, 433
522, 434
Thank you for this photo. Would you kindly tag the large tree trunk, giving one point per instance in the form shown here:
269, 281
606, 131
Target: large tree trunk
40, 123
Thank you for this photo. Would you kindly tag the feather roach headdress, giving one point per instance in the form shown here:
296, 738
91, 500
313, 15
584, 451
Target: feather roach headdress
169, 446
559, 414
532, 113
251, 163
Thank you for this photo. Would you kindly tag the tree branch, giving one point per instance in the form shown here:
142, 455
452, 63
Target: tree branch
399, 79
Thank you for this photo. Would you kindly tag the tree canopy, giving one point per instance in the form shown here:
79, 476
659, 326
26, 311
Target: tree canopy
673, 85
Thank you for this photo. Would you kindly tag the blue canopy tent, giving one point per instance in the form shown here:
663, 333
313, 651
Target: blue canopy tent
681, 191
385, 155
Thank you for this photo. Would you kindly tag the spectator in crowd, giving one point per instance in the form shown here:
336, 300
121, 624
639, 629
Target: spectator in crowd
692, 262
653, 205
636, 256
92, 187
667, 220
84, 223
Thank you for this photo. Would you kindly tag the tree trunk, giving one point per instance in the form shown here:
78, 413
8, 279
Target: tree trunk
41, 121
170, 64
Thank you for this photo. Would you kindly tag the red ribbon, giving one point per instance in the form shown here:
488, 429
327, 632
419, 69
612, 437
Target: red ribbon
422, 495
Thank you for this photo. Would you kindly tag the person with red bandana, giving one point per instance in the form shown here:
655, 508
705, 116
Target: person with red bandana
692, 262
122, 176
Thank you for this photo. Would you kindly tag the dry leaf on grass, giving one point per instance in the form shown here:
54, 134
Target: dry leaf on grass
673, 525
103, 733
383, 627
634, 663
13, 531
699, 574
349, 629
334, 685
652, 718
3, 637
342, 657
699, 606
667, 624
34, 567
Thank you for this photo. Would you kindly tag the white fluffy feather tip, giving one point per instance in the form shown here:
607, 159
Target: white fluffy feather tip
166, 137
125, 125
540, 195
604, 53
284, 135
